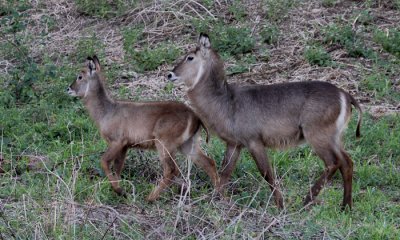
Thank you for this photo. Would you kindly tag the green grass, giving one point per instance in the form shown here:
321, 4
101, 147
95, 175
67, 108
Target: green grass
390, 41
364, 17
104, 8
70, 171
232, 40
242, 65
380, 86
317, 55
328, 3
226, 39
89, 46
344, 36
53, 185
149, 57
237, 10
277, 10
270, 33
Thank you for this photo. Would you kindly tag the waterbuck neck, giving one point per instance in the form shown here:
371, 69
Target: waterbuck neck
97, 102
212, 99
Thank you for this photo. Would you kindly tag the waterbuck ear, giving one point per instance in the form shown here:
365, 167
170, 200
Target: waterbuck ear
91, 65
204, 41
97, 63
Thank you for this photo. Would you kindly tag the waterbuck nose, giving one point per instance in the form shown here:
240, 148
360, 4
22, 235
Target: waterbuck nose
171, 76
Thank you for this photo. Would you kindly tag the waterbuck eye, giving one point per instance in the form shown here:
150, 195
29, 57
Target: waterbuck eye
80, 77
189, 58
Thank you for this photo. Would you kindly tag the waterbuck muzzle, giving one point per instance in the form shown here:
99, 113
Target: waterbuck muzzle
172, 77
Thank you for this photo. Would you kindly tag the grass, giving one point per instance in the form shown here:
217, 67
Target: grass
270, 33
380, 85
237, 10
149, 57
242, 65
104, 8
390, 41
53, 185
277, 10
347, 38
317, 55
328, 3
89, 46
229, 40
70, 177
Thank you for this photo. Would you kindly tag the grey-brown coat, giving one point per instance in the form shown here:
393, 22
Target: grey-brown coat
273, 116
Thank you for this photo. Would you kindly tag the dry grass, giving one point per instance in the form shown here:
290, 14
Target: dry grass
183, 216
163, 20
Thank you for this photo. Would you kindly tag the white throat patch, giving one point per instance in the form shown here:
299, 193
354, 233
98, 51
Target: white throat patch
87, 90
198, 77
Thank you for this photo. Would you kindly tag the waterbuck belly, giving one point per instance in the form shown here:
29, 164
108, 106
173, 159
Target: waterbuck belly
282, 136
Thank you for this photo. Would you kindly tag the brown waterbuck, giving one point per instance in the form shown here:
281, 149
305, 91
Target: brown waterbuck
167, 127
272, 116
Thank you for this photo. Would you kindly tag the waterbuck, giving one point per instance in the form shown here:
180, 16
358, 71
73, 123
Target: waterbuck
167, 127
272, 116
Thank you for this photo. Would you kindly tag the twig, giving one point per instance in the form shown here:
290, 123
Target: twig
194, 10
109, 227
353, 26
198, 4
3, 216
266, 229
257, 21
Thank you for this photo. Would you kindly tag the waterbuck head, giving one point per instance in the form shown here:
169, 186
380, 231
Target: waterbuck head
81, 86
198, 64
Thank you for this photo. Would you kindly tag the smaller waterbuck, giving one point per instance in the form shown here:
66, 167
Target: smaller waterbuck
272, 116
167, 127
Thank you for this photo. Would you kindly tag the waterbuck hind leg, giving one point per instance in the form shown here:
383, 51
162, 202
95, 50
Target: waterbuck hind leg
228, 164
111, 155
347, 172
170, 171
209, 166
257, 151
332, 163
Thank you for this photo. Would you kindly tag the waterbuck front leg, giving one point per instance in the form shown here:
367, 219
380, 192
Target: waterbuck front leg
228, 164
114, 152
257, 150
119, 165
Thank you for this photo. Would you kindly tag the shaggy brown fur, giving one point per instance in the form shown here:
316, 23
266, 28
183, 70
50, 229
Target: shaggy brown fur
167, 127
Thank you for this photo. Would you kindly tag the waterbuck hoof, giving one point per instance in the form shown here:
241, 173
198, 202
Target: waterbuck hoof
153, 197
308, 202
279, 203
220, 195
346, 207
121, 192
